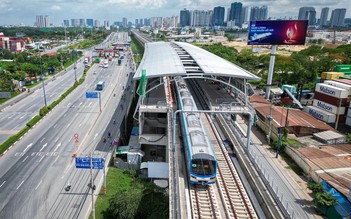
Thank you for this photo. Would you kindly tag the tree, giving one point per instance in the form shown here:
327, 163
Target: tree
5, 81
315, 187
326, 199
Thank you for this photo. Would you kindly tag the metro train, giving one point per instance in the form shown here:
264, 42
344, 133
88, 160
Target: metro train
200, 158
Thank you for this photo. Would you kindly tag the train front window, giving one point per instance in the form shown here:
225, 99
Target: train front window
203, 167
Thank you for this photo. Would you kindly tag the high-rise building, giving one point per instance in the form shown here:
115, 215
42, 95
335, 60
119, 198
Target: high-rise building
125, 22
107, 25
201, 18
156, 22
218, 16
97, 24
236, 13
82, 22
90, 23
228, 14
245, 15
323, 21
75, 22
43, 21
66, 23
141, 22
184, 18
308, 13
259, 13
338, 17
136, 23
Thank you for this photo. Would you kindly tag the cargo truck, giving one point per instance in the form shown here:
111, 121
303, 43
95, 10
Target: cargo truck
119, 61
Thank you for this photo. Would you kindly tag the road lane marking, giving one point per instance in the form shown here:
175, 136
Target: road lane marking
30, 145
57, 146
2, 184
69, 125
55, 125
95, 136
90, 103
80, 103
80, 124
56, 158
25, 159
38, 185
20, 185
42, 140
43, 146
41, 158
22, 117
56, 140
70, 139
65, 115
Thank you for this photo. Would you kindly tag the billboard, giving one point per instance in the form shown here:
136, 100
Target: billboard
277, 32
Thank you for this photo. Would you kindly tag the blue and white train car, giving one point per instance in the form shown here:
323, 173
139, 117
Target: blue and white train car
200, 158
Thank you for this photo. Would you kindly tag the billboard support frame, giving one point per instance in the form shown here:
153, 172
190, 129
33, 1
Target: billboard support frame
271, 70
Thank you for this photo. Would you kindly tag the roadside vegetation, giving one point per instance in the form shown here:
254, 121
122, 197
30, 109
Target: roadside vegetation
301, 67
137, 49
42, 112
131, 197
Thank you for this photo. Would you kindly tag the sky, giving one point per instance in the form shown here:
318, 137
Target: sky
16, 12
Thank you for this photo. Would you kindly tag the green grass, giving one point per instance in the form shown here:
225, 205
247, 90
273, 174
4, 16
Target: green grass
13, 94
116, 182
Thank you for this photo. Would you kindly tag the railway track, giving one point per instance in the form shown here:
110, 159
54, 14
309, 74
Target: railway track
233, 195
203, 202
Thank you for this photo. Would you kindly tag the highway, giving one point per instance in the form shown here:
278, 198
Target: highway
36, 170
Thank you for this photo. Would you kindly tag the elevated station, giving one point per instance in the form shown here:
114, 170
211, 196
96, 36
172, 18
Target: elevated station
222, 83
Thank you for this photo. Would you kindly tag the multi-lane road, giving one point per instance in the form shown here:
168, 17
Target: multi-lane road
34, 173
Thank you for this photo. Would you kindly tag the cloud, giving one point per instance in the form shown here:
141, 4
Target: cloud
4, 3
150, 4
56, 8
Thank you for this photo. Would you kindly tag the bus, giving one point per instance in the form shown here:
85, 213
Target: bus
100, 85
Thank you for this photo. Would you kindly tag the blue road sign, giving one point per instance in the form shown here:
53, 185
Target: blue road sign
84, 163
91, 94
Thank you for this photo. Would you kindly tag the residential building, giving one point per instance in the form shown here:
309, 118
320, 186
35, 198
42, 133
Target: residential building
82, 22
323, 21
107, 25
90, 23
43, 21
218, 16
125, 22
338, 17
97, 24
201, 18
236, 13
245, 15
259, 13
66, 23
308, 13
184, 18
156, 22
75, 22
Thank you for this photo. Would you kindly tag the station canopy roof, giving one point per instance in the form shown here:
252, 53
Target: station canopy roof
161, 59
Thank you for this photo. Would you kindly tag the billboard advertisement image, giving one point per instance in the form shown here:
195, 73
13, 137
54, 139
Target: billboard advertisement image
277, 32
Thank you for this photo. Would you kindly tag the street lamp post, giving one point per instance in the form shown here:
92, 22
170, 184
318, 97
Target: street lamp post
43, 81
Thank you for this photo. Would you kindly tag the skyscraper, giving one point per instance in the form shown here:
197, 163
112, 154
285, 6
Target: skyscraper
97, 24
82, 22
308, 13
184, 18
75, 22
125, 22
259, 13
323, 21
90, 23
236, 13
43, 21
66, 23
337, 17
218, 16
